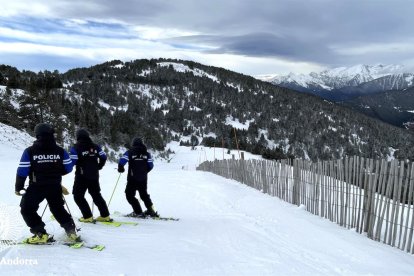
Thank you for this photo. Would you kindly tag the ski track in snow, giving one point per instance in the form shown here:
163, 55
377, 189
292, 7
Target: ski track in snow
225, 228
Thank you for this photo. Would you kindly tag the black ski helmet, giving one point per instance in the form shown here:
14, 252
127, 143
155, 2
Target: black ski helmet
82, 133
43, 129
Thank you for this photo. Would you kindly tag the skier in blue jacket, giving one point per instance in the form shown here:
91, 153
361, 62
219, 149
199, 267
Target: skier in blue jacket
140, 164
44, 163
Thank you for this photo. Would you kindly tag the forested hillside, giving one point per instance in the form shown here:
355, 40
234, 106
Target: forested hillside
393, 107
163, 100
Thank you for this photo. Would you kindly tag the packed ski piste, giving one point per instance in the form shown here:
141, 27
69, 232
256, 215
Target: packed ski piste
73, 212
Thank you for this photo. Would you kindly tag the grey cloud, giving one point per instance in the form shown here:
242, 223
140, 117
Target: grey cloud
296, 30
346, 18
262, 45
292, 29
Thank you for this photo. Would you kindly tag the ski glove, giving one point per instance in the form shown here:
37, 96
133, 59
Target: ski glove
19, 184
64, 190
20, 193
121, 169
101, 163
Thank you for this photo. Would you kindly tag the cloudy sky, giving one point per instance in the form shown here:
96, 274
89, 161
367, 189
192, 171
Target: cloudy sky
254, 37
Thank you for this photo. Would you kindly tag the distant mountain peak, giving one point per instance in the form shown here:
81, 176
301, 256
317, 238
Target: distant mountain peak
337, 78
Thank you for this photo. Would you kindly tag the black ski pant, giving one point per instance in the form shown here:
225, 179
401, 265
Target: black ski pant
31, 200
92, 186
131, 188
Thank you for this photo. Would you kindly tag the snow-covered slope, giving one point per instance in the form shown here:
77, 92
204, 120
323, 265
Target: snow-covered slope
179, 67
226, 228
14, 138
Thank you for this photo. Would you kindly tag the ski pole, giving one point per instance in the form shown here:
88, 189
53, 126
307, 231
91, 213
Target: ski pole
114, 189
44, 209
65, 192
67, 206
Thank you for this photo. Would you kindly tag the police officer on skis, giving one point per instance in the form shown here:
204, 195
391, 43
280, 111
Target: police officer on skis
140, 164
89, 158
45, 163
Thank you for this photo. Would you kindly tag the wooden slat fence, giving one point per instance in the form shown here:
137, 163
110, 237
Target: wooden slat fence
374, 197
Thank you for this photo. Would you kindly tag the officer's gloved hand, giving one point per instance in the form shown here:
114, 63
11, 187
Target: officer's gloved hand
19, 185
20, 193
121, 169
64, 190
101, 163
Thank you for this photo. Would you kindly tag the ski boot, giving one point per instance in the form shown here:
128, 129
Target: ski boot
39, 238
151, 212
70, 230
104, 219
87, 220
73, 237
136, 215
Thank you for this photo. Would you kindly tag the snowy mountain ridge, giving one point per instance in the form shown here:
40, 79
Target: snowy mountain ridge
339, 77
179, 67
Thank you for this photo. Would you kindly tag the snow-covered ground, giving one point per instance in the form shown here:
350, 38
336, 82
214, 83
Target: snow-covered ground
225, 228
